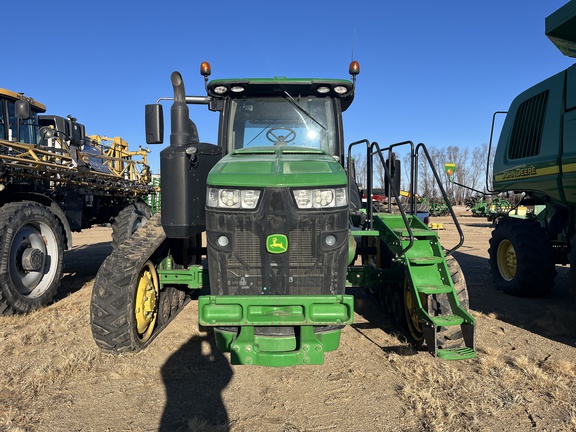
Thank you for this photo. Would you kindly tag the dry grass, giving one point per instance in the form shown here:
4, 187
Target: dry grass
442, 396
557, 321
43, 357
449, 396
49, 363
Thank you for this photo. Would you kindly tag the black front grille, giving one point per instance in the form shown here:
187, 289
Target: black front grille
245, 267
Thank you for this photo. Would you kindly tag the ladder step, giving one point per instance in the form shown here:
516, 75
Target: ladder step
434, 289
447, 320
456, 353
428, 260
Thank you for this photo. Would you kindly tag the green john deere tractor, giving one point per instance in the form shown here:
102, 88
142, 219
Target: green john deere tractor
536, 155
271, 220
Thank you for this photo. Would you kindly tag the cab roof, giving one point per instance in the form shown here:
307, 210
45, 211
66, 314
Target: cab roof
9, 94
246, 87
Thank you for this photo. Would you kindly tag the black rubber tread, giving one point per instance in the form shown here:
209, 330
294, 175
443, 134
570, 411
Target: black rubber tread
438, 304
172, 300
12, 217
535, 266
113, 296
128, 219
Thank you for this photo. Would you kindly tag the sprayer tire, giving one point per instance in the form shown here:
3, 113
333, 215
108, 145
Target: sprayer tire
31, 257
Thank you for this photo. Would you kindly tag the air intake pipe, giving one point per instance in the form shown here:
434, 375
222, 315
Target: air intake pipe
184, 168
179, 113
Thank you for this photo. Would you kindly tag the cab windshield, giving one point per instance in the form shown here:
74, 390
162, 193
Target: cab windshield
28, 129
288, 121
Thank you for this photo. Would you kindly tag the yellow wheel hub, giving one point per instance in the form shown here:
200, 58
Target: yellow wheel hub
412, 319
146, 304
506, 258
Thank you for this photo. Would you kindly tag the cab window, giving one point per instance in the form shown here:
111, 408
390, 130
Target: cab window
297, 122
28, 129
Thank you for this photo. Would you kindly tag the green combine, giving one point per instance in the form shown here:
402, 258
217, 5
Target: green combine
269, 225
536, 155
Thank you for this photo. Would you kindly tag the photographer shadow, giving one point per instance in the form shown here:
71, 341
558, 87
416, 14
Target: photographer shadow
195, 377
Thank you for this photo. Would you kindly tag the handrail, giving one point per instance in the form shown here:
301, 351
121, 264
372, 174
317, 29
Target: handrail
444, 195
369, 209
394, 193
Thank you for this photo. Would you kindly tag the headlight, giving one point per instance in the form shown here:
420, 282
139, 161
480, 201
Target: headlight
320, 198
232, 198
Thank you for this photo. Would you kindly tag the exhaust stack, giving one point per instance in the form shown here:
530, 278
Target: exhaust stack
179, 113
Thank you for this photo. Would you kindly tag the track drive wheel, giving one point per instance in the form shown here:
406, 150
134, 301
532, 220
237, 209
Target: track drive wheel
126, 296
131, 218
146, 303
31, 257
521, 258
412, 319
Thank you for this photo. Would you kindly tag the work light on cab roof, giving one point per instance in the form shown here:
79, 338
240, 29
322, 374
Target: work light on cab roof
353, 69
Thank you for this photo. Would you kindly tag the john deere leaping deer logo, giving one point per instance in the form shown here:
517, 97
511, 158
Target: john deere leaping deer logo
277, 243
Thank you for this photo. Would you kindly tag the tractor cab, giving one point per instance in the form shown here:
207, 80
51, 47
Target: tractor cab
282, 112
19, 117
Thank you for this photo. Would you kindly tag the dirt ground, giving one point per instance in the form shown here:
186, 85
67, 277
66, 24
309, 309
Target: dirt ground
53, 377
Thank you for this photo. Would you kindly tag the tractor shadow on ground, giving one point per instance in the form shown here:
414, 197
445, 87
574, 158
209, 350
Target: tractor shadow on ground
81, 263
368, 307
479, 224
553, 317
195, 377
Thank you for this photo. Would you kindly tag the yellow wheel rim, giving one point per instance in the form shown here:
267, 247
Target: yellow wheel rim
412, 319
146, 305
506, 258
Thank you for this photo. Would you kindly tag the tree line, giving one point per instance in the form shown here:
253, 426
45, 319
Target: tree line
471, 166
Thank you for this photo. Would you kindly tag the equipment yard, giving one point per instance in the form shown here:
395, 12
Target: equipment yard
54, 377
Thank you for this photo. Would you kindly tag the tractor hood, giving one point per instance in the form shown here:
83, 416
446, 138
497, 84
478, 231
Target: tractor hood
277, 167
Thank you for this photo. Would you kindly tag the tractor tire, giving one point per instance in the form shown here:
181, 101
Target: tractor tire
131, 218
126, 300
31, 257
521, 258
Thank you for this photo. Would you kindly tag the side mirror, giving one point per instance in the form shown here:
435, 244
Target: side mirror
77, 135
22, 110
154, 124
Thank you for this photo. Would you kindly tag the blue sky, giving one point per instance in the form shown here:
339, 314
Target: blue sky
431, 72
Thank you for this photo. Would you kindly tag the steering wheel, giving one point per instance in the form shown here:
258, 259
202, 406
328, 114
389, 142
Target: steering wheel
280, 140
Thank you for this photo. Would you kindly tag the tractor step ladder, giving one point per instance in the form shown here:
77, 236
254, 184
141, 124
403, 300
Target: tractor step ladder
430, 276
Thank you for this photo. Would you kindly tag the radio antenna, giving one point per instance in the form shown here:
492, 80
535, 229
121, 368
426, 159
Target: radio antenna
353, 44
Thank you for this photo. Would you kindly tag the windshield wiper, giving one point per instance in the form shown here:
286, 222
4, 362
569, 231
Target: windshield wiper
301, 108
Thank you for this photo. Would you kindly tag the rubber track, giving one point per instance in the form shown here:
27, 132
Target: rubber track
124, 219
112, 305
450, 337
